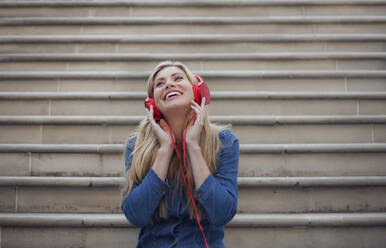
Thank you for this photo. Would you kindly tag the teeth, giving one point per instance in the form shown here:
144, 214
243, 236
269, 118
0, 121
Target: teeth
174, 93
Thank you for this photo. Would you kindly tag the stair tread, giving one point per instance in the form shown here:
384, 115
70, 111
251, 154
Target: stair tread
161, 38
14, 57
206, 74
233, 119
162, 20
139, 95
109, 3
37, 57
244, 148
247, 220
330, 181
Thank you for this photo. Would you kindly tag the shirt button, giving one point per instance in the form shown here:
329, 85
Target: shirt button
199, 195
163, 187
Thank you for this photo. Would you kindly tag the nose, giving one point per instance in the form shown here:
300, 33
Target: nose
169, 83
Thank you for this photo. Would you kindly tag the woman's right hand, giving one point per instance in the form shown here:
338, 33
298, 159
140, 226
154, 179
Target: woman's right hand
161, 131
165, 152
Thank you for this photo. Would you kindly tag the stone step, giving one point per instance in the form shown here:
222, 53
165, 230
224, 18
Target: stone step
198, 61
195, 25
187, 20
216, 74
240, 220
98, 57
256, 194
183, 43
245, 230
62, 82
274, 160
190, 8
224, 103
249, 129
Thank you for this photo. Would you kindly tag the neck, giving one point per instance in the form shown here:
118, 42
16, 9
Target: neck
176, 123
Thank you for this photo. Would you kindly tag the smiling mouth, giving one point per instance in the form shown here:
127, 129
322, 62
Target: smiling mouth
172, 95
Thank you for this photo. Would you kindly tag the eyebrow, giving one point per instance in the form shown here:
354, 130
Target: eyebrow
171, 75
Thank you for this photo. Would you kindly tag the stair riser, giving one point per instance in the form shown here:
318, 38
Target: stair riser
61, 200
48, 237
56, 164
217, 107
315, 199
305, 237
195, 11
236, 64
258, 134
139, 47
262, 164
356, 237
251, 200
215, 84
373, 28
318, 164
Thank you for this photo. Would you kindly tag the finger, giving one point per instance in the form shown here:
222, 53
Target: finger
148, 114
151, 112
195, 107
194, 103
150, 117
200, 110
199, 117
163, 125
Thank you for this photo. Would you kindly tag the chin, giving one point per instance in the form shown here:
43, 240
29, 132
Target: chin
176, 106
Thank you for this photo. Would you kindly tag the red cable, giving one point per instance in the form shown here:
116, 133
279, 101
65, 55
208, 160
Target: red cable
187, 185
190, 193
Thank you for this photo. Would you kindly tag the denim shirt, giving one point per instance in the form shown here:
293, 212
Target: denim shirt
217, 196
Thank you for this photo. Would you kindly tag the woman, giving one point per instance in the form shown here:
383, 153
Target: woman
157, 197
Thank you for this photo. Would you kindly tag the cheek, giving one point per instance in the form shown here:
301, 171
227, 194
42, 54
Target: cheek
190, 93
157, 95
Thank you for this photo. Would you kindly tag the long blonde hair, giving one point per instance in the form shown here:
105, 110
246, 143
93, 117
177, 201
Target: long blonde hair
146, 147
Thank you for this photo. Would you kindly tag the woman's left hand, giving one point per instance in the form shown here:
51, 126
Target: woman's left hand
194, 130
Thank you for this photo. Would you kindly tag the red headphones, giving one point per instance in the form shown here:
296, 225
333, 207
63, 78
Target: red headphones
200, 90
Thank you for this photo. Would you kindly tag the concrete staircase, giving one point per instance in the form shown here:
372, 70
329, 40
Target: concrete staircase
303, 84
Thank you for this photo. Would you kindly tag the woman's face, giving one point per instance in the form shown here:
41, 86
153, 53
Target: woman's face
172, 90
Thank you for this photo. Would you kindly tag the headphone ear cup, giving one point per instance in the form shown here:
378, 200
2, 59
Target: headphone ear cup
156, 113
196, 94
200, 91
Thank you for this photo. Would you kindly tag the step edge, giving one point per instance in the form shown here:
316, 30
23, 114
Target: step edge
205, 74
233, 119
244, 148
240, 220
191, 38
86, 57
215, 95
169, 3
189, 20
243, 182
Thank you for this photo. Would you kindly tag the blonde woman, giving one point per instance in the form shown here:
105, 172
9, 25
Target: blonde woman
170, 211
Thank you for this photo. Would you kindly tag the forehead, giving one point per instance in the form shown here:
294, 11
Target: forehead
168, 71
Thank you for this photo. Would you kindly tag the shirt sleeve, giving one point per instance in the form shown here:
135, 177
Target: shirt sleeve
145, 197
218, 193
